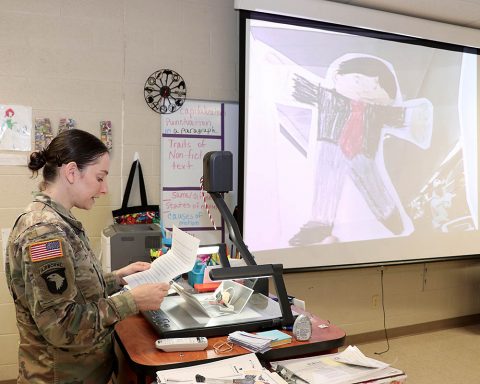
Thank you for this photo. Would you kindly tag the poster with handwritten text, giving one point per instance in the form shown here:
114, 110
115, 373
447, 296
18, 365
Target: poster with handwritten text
187, 135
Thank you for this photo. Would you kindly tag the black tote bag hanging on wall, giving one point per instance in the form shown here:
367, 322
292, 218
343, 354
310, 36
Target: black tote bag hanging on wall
140, 214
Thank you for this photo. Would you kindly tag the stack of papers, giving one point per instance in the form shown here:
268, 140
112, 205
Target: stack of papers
250, 341
347, 367
178, 260
245, 369
353, 356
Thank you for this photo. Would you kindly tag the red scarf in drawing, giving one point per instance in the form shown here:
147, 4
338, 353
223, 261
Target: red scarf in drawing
352, 136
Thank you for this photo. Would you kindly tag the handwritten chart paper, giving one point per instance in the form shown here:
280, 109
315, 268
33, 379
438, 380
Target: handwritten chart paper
187, 135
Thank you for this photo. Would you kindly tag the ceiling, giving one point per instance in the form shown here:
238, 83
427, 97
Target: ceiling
459, 12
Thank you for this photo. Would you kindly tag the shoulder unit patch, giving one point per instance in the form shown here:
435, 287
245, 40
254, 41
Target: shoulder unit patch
54, 275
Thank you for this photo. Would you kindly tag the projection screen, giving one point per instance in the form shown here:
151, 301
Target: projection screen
359, 146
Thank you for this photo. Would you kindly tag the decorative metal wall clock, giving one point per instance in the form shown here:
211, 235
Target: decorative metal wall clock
165, 91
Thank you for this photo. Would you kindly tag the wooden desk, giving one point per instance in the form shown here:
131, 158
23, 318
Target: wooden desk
135, 348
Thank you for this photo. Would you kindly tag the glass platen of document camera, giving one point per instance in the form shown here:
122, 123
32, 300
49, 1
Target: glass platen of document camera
229, 298
188, 314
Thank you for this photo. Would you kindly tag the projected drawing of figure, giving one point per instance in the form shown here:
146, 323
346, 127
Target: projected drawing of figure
359, 103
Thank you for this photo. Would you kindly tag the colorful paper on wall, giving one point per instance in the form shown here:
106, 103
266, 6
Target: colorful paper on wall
106, 133
15, 127
43, 133
66, 124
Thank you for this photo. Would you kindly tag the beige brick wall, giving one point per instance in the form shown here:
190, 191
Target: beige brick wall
414, 294
89, 60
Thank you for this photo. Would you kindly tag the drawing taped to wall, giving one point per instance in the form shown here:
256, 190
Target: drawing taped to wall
15, 127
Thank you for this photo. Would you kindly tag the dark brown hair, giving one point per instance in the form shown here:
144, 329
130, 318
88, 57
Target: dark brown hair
75, 145
372, 67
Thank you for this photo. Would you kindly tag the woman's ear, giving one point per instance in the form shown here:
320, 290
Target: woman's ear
70, 171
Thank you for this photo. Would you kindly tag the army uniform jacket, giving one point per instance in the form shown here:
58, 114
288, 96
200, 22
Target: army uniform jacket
65, 316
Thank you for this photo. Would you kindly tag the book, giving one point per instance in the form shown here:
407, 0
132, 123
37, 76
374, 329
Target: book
277, 337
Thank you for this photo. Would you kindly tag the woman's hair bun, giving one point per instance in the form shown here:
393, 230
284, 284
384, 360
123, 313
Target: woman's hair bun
37, 160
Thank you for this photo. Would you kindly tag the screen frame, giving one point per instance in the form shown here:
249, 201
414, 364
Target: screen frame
245, 15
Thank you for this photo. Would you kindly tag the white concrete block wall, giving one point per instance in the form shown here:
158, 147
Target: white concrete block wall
89, 60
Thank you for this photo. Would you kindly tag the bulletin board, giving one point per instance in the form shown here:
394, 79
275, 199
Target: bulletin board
187, 135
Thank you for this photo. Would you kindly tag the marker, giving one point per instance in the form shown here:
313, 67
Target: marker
202, 379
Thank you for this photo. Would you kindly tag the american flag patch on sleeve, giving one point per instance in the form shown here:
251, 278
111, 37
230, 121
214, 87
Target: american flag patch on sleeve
45, 250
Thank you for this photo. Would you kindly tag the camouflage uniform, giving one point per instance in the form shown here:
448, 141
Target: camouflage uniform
64, 315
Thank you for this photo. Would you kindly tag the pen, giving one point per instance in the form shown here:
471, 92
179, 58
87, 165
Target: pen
288, 374
198, 379
202, 379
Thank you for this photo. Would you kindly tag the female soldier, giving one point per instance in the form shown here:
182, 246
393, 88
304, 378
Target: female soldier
65, 316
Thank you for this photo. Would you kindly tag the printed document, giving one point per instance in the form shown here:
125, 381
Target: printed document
180, 259
327, 369
353, 356
244, 369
